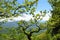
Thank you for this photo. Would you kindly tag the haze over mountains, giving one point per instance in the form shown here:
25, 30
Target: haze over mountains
12, 21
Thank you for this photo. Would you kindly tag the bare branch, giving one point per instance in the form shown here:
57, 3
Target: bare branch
36, 31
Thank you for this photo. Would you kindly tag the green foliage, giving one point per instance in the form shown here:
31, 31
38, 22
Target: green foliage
33, 27
0, 28
9, 8
54, 22
6, 6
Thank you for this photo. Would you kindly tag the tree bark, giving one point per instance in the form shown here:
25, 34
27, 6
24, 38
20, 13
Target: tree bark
29, 37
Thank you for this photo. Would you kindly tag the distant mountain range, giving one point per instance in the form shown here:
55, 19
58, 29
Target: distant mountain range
12, 21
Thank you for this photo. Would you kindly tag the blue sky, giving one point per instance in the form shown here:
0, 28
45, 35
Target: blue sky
42, 5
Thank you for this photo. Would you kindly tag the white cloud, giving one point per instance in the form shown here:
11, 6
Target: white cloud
24, 17
18, 18
46, 18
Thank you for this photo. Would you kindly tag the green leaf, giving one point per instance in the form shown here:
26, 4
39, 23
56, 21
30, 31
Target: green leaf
1, 28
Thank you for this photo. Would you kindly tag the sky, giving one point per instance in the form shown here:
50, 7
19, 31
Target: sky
13, 22
42, 5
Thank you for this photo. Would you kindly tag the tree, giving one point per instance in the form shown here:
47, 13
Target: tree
32, 26
11, 8
55, 20
7, 7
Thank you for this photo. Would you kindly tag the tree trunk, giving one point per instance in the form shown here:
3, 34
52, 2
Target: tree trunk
29, 37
